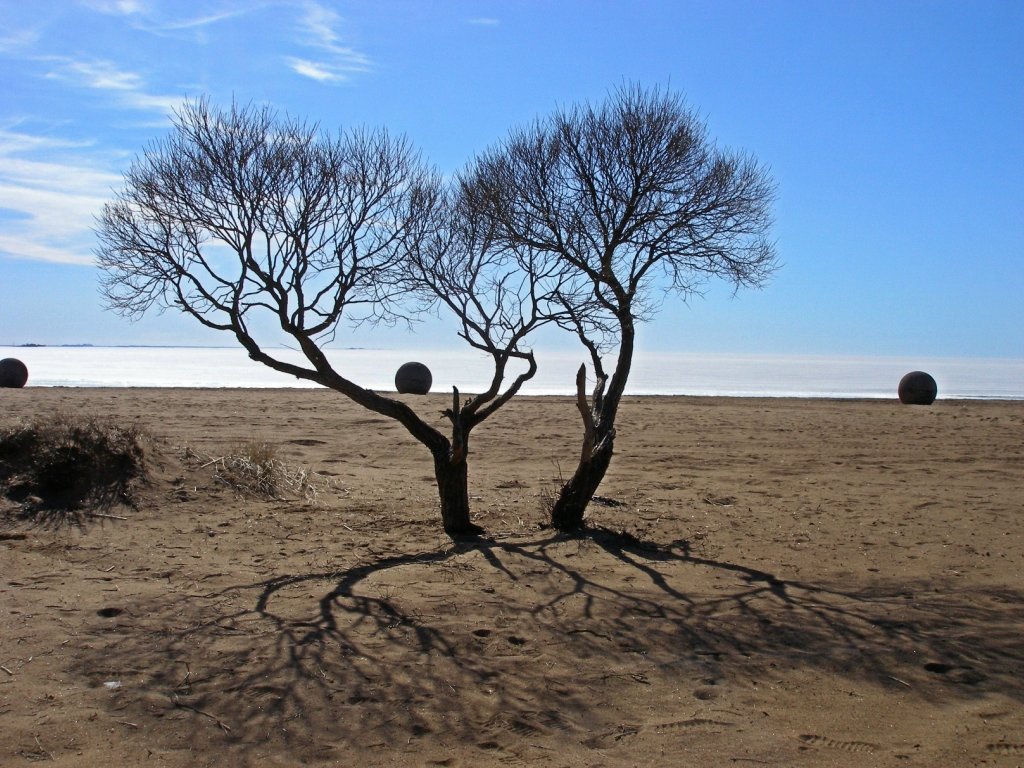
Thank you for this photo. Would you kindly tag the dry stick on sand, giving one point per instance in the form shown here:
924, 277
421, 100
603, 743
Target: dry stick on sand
43, 751
109, 517
182, 705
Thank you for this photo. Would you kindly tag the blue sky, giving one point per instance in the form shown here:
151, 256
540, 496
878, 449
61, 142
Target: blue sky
895, 131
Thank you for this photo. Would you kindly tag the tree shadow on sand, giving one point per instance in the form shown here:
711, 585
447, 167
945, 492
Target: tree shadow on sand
553, 638
873, 632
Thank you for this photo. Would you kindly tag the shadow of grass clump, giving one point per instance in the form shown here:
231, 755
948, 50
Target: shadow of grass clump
66, 466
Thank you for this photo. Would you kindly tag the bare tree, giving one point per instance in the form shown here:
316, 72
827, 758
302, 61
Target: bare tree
631, 200
261, 226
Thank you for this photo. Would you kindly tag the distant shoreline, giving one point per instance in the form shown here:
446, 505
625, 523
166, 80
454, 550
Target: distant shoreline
653, 373
444, 398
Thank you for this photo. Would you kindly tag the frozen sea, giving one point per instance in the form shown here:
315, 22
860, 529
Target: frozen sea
652, 374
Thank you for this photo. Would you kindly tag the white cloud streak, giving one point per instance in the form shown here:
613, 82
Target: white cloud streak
335, 63
202, 21
155, 19
51, 189
53, 202
127, 88
117, 7
313, 70
101, 75
16, 41
319, 22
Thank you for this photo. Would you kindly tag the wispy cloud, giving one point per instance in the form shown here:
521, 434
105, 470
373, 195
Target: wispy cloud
128, 88
18, 40
49, 204
13, 142
319, 23
101, 75
313, 70
158, 19
335, 62
150, 102
482, 21
204, 21
116, 7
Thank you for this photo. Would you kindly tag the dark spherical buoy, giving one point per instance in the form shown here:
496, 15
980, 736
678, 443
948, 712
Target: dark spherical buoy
13, 373
413, 379
918, 388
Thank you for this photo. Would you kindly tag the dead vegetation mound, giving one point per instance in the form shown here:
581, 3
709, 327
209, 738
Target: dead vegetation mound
253, 469
72, 463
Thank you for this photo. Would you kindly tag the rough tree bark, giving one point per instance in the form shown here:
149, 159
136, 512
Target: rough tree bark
598, 416
567, 513
451, 470
452, 473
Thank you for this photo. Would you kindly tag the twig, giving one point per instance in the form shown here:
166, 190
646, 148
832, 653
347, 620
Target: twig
125, 722
109, 517
220, 723
901, 682
184, 680
44, 751
5, 669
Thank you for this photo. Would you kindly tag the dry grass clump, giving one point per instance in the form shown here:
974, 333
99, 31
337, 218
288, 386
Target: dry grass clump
71, 462
546, 500
254, 469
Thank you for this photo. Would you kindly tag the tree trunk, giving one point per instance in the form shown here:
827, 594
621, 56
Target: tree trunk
567, 514
452, 474
598, 431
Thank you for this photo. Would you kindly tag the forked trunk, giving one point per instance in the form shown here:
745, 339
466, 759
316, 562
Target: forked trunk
567, 513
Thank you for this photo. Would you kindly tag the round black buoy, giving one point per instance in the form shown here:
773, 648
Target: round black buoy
13, 373
918, 388
413, 379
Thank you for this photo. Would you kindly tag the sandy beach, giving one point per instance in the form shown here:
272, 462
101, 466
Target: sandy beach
764, 582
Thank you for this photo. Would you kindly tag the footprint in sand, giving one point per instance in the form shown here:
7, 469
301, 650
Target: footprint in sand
845, 746
513, 725
609, 738
1005, 748
527, 723
693, 723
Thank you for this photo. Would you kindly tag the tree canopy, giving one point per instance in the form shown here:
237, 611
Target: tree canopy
585, 219
259, 226
628, 200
